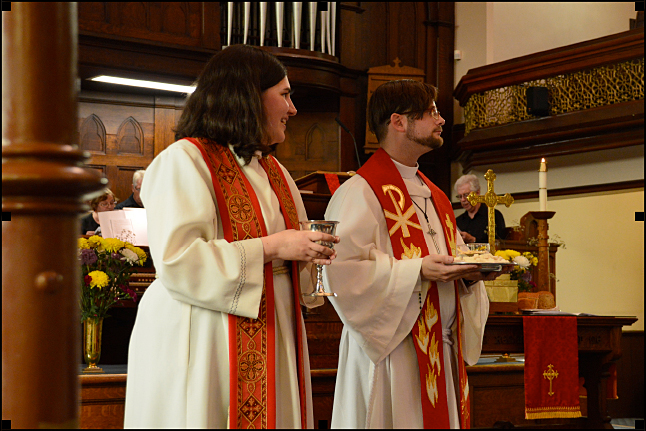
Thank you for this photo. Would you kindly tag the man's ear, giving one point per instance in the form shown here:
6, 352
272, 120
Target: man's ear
398, 122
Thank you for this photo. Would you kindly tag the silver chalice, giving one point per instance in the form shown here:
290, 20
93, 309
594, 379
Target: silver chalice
328, 227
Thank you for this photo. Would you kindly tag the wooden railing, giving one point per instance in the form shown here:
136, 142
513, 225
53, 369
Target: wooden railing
615, 48
617, 122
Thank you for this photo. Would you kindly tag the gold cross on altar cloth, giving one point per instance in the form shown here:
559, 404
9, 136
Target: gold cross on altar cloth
491, 199
550, 374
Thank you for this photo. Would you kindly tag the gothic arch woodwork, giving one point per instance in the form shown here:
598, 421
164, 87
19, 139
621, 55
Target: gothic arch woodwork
92, 135
315, 143
135, 15
93, 11
130, 138
175, 18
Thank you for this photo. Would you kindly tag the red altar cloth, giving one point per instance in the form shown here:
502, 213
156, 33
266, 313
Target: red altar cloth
551, 367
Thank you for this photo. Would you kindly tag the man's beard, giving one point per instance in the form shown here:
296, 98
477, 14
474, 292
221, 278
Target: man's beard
429, 141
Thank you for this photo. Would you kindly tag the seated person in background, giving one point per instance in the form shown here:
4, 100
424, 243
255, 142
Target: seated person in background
134, 201
474, 223
103, 202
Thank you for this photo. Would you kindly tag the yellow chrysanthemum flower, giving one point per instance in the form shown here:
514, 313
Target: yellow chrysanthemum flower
83, 243
99, 279
535, 261
112, 245
512, 253
503, 254
95, 241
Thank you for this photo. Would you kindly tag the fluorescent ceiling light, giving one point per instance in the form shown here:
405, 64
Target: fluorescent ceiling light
145, 84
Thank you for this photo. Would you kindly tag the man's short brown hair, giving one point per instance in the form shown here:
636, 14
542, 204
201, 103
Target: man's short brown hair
400, 97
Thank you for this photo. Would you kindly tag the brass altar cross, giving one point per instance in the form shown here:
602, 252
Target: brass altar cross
491, 199
550, 374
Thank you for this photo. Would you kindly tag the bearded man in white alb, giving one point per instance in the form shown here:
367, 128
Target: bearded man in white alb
411, 319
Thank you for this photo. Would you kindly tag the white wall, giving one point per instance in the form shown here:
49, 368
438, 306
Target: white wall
595, 167
525, 28
601, 270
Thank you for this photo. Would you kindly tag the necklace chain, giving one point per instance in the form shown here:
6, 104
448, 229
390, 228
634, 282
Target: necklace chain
431, 231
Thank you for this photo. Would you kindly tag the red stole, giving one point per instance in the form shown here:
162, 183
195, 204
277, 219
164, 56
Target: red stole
408, 242
252, 353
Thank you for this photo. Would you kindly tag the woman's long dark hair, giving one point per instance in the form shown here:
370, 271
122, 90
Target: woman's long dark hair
226, 106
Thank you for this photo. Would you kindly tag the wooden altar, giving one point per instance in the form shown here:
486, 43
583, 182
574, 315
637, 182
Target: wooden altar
599, 340
497, 391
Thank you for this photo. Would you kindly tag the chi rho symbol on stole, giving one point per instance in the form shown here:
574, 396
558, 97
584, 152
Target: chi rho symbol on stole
401, 219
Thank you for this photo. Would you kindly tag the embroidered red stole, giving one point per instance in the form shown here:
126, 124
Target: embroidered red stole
252, 353
408, 242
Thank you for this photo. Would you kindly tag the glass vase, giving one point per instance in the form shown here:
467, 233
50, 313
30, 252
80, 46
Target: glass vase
92, 330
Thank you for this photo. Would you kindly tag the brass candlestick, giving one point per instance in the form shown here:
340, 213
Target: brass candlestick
543, 281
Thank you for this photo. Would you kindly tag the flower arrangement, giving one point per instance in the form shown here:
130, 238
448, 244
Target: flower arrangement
106, 265
521, 272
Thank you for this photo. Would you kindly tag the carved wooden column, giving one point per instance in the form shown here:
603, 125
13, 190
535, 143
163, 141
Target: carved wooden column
43, 188
544, 272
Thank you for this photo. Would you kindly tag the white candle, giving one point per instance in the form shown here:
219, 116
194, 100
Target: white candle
542, 186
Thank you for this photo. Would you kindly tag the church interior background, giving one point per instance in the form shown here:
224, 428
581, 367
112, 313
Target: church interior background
596, 174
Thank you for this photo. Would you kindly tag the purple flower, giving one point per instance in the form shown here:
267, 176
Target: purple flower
126, 288
88, 256
527, 276
116, 256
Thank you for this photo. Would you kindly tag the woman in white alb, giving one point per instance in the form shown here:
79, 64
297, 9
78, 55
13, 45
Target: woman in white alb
179, 363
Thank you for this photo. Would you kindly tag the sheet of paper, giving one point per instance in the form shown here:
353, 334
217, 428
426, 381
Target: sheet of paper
140, 227
122, 229
128, 225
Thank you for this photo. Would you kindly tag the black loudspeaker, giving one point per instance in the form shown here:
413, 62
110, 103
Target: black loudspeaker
538, 101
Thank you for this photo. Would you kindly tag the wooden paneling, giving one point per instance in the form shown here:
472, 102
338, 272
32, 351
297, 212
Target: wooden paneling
103, 400
630, 378
168, 22
124, 132
440, 36
312, 143
503, 383
128, 141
